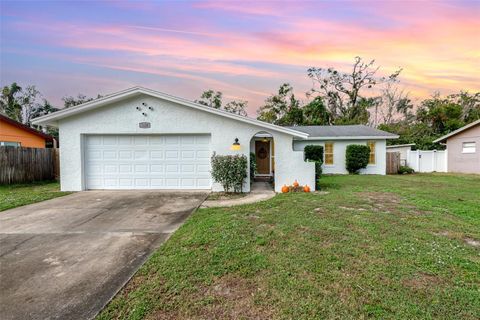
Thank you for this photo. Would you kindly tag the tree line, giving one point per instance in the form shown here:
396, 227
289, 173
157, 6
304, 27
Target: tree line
356, 96
23, 104
361, 96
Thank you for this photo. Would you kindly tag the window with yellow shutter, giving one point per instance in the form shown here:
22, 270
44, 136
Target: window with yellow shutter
371, 145
328, 153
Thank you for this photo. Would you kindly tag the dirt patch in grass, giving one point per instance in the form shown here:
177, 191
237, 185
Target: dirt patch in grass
386, 202
225, 196
459, 236
423, 281
450, 234
228, 297
234, 299
472, 242
320, 210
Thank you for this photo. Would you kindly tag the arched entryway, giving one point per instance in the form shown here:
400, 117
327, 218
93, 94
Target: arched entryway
262, 153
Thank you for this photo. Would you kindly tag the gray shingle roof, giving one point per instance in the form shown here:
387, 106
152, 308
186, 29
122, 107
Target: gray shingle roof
343, 131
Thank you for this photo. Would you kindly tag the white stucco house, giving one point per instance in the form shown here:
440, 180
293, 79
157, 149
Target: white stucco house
144, 139
335, 140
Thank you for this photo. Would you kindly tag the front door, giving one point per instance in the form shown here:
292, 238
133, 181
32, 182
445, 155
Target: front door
262, 154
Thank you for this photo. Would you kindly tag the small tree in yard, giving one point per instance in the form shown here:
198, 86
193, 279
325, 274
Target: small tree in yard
230, 171
314, 153
357, 157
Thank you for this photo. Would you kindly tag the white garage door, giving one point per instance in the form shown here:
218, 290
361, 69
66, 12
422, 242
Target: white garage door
147, 162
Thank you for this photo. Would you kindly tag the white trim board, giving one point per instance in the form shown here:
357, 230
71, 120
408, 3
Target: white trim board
352, 138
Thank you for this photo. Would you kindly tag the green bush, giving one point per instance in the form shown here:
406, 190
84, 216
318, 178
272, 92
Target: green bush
405, 170
314, 153
356, 157
253, 165
230, 171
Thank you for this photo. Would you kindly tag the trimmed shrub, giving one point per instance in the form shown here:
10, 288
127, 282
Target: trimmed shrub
314, 153
405, 170
230, 171
253, 166
356, 157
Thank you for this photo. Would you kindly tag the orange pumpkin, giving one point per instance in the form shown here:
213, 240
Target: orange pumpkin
285, 189
295, 184
306, 188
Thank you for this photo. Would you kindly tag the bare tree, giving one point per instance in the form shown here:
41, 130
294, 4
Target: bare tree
343, 91
31, 105
395, 104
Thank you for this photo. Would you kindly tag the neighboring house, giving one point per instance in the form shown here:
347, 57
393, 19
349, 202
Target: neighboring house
144, 139
16, 134
403, 149
335, 140
463, 148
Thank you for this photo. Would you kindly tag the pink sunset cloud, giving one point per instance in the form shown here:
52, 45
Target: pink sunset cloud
248, 49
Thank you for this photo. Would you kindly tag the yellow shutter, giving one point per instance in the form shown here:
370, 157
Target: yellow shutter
328, 152
371, 159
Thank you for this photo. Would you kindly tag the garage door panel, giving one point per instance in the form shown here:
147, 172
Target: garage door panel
187, 140
171, 140
147, 162
108, 169
203, 168
203, 154
157, 140
140, 140
125, 140
158, 154
205, 140
157, 168
110, 140
125, 155
125, 182
109, 155
171, 155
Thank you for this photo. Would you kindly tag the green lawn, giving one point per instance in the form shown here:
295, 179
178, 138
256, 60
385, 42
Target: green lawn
374, 246
16, 195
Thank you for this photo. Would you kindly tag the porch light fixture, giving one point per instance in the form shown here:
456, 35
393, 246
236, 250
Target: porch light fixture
236, 145
264, 139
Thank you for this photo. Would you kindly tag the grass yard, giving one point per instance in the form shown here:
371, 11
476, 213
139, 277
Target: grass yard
373, 247
17, 195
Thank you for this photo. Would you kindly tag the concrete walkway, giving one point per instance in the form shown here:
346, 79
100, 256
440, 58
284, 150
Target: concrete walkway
261, 191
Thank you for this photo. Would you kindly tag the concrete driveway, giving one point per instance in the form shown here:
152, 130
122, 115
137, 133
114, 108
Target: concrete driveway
66, 258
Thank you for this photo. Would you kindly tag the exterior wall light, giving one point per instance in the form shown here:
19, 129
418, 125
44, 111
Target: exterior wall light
236, 145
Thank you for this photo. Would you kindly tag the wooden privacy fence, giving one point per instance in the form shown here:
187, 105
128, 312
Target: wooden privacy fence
393, 162
18, 165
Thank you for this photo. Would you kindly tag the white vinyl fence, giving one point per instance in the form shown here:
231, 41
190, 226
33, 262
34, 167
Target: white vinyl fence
427, 160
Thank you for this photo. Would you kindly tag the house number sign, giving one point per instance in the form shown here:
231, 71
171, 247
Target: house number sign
144, 125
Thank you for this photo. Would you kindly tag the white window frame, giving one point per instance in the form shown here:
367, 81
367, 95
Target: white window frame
472, 148
333, 154
9, 144
374, 153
